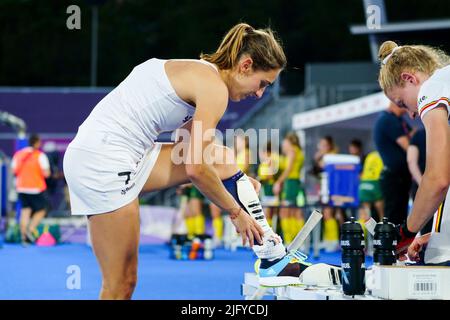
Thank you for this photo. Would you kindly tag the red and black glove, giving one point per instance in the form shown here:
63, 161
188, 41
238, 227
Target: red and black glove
404, 239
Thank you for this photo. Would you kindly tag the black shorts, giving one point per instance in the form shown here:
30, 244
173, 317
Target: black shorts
36, 202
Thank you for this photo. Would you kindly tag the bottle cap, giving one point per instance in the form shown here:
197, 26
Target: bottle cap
384, 226
351, 226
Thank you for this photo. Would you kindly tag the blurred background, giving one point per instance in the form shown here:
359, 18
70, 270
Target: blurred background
51, 77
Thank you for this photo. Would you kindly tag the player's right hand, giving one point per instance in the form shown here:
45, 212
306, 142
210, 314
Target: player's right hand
404, 239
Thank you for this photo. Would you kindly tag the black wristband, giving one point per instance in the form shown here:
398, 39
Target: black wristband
406, 232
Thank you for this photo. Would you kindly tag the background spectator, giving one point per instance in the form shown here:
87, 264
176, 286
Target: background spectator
268, 172
416, 156
356, 148
392, 134
369, 192
31, 167
326, 146
288, 185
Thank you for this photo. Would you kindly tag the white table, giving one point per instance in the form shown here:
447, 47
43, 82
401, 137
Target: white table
251, 291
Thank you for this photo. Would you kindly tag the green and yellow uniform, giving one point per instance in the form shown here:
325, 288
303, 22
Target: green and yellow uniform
268, 171
369, 187
195, 223
293, 193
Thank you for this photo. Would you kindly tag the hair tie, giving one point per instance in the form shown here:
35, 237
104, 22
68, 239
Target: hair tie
385, 60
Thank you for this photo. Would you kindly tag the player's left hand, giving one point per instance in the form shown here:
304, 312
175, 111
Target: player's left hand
414, 249
417, 246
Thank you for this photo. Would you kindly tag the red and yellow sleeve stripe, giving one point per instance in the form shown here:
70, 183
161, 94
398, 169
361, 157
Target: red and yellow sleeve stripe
444, 100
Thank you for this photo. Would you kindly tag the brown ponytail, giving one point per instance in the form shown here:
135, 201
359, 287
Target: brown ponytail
262, 46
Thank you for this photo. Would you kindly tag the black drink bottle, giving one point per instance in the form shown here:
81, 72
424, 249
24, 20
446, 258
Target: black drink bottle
353, 267
384, 243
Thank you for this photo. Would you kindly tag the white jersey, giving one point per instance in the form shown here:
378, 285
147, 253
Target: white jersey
108, 163
433, 92
132, 115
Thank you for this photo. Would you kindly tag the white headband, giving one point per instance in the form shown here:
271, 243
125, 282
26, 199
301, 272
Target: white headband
385, 60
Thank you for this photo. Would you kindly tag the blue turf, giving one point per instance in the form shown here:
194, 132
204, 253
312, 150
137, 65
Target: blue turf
40, 273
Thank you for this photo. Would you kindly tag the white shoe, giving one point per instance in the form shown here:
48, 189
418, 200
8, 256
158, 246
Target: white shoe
293, 270
281, 272
321, 275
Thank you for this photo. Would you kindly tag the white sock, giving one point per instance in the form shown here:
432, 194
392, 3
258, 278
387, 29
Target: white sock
272, 247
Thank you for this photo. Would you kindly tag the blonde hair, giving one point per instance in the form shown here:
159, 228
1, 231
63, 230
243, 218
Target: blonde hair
413, 58
261, 45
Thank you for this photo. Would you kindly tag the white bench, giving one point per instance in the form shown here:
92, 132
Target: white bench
251, 290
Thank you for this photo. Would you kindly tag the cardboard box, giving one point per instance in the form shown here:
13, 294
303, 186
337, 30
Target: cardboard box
410, 282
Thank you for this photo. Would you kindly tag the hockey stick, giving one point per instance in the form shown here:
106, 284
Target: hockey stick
370, 225
301, 236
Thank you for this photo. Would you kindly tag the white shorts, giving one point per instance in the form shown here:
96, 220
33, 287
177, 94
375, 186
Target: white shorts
103, 182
